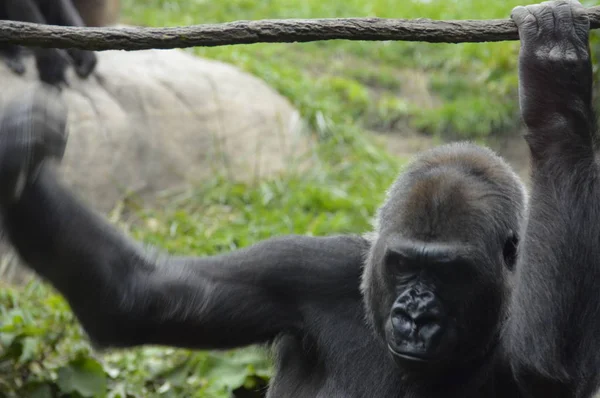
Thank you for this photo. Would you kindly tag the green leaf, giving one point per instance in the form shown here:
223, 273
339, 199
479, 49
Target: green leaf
29, 349
84, 376
6, 339
40, 391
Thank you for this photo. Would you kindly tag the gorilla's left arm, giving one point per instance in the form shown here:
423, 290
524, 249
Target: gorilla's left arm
552, 336
124, 295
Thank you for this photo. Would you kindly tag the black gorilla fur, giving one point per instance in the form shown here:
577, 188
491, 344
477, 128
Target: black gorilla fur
51, 63
436, 302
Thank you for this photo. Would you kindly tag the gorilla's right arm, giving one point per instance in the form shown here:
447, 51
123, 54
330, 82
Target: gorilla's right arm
126, 296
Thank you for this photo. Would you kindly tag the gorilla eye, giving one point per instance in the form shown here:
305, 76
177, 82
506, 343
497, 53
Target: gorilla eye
393, 260
509, 251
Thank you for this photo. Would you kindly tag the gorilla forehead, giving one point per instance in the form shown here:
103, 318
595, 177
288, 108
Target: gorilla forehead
454, 192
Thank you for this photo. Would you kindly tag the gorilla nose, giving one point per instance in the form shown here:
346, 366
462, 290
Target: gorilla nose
420, 307
419, 326
418, 322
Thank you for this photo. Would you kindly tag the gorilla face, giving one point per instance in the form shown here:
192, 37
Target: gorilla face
436, 279
421, 325
444, 298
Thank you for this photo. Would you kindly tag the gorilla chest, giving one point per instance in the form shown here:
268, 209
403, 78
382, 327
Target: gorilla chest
343, 360
358, 366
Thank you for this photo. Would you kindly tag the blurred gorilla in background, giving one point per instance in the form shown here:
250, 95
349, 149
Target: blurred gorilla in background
51, 62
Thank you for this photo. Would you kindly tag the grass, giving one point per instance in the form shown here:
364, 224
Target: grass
354, 81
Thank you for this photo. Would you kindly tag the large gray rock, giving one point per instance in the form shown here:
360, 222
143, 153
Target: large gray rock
155, 120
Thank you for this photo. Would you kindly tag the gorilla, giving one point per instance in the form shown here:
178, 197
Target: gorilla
467, 287
51, 62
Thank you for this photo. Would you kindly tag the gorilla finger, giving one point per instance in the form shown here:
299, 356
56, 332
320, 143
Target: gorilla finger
563, 16
581, 21
54, 77
51, 122
54, 143
15, 162
85, 62
525, 21
52, 65
11, 184
85, 69
572, 27
16, 65
544, 14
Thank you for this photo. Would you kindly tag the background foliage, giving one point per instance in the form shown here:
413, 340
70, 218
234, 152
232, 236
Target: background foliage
345, 90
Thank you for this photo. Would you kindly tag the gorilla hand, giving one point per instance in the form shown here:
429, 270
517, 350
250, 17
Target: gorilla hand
13, 58
555, 72
32, 129
52, 65
15, 64
84, 61
556, 273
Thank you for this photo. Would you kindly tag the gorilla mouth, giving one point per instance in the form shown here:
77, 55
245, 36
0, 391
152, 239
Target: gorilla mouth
412, 356
426, 338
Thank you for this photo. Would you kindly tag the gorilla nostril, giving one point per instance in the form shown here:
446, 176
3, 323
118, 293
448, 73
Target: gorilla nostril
429, 330
400, 310
403, 324
427, 296
431, 334
426, 319
417, 319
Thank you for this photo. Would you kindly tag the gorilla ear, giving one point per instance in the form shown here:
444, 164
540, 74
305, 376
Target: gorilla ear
509, 252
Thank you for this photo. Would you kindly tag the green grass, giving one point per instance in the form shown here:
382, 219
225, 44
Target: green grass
352, 81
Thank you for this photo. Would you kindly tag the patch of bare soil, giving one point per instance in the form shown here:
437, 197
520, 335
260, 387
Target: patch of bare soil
400, 140
407, 144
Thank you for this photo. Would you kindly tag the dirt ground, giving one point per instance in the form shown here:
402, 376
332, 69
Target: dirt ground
407, 144
404, 142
